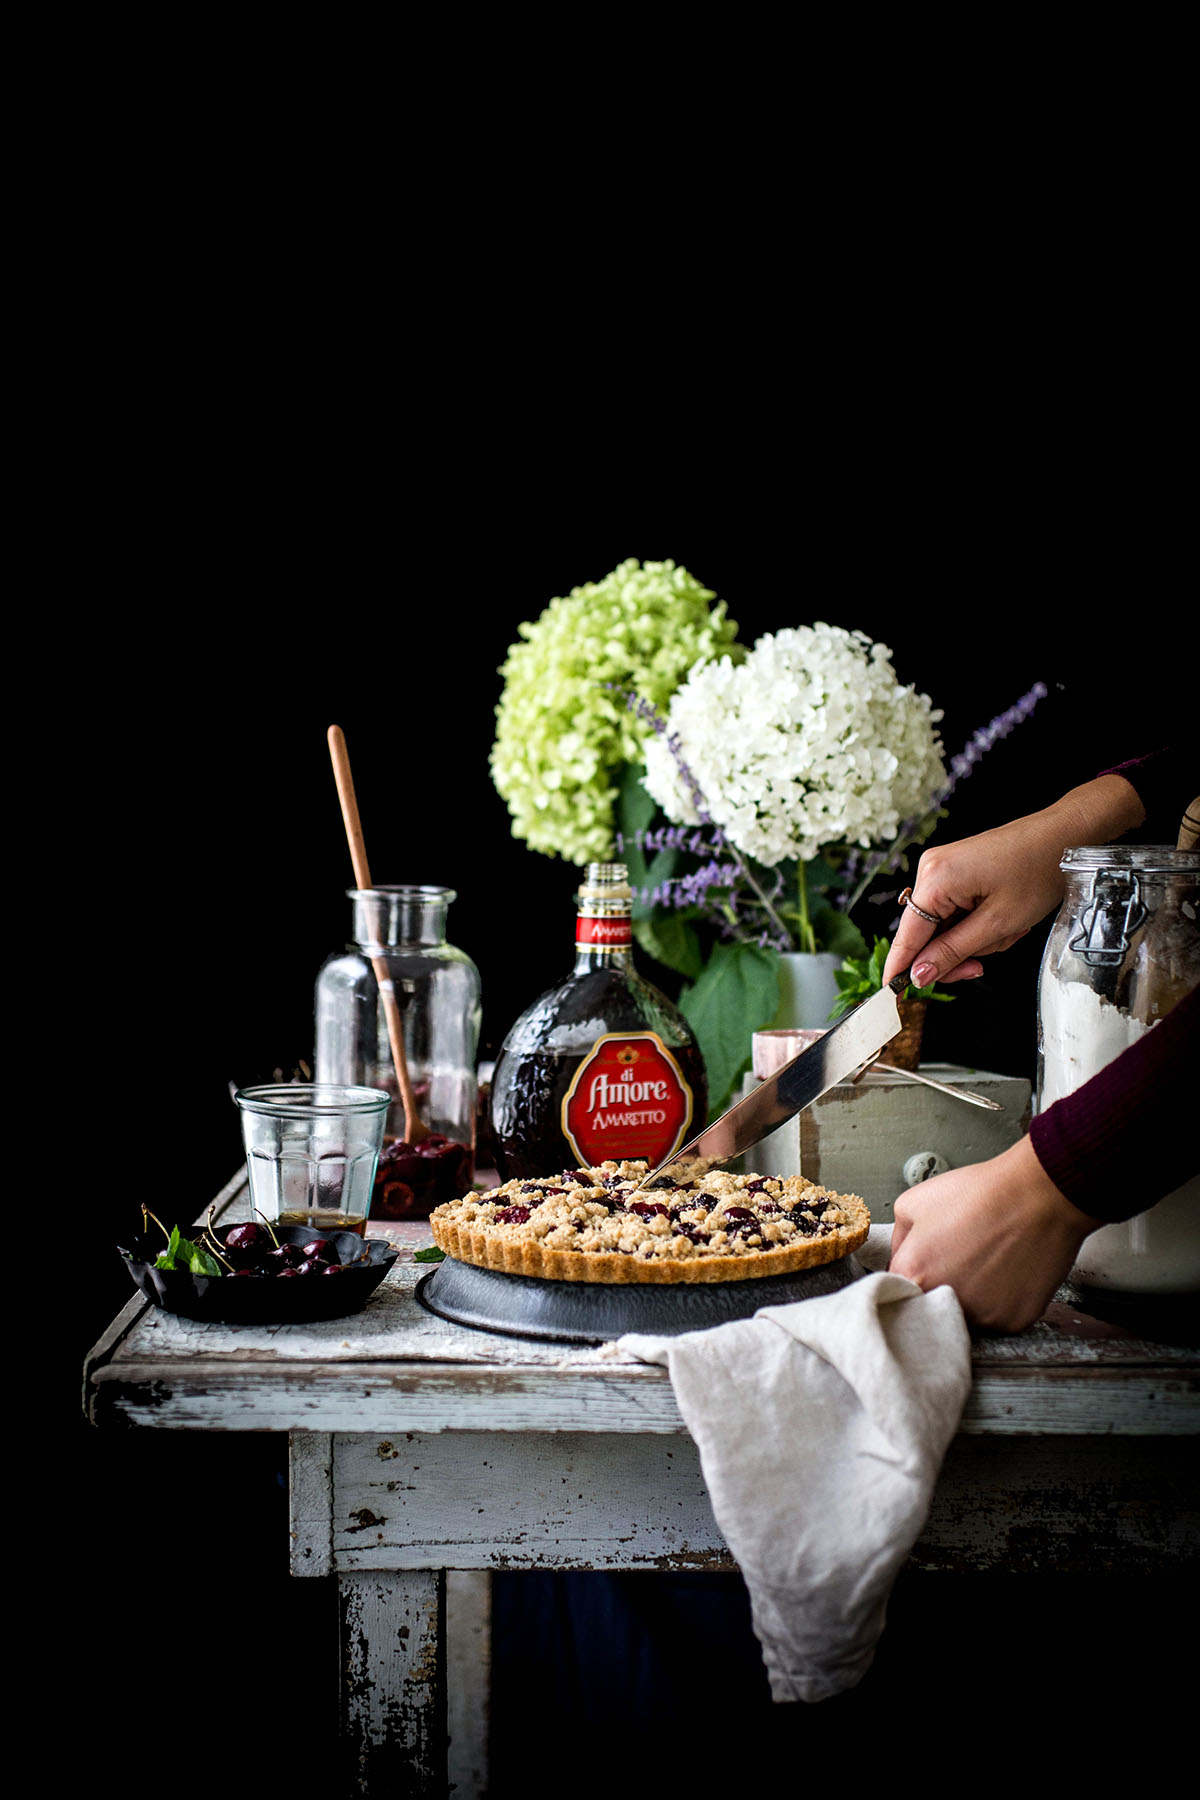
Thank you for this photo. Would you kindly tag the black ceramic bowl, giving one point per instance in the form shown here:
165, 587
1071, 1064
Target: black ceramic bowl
266, 1299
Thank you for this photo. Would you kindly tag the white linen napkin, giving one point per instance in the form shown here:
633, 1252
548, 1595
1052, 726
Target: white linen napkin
821, 1427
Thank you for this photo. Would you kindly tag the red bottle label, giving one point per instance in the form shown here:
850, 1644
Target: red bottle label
628, 1101
616, 933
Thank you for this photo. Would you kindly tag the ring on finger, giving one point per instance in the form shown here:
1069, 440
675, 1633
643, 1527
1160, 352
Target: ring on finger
906, 899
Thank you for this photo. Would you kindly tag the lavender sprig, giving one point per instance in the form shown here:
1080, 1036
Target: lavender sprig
646, 710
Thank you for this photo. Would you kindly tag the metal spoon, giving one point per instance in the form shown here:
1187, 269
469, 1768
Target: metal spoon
943, 1087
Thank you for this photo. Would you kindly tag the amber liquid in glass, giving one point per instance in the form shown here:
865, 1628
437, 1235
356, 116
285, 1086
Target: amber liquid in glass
324, 1218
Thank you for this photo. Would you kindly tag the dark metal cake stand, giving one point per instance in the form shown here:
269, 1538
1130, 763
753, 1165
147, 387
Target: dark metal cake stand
590, 1312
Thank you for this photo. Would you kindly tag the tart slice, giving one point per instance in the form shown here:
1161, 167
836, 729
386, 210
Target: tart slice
582, 1226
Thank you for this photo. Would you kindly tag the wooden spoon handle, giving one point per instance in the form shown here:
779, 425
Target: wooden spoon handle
340, 758
414, 1128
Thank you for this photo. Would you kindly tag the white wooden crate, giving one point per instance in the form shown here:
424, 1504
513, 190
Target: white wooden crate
857, 1138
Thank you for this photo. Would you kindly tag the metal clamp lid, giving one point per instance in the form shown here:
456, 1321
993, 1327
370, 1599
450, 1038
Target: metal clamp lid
1114, 912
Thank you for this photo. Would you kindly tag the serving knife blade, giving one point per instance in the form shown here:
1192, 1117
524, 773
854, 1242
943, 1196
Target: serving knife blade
864, 1030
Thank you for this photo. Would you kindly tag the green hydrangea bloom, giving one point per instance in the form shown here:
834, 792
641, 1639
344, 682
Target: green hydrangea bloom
562, 735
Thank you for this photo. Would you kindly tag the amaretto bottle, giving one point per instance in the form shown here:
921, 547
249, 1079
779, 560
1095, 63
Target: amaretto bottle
603, 1066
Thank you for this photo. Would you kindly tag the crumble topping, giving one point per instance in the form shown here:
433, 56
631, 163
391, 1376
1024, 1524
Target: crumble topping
699, 1213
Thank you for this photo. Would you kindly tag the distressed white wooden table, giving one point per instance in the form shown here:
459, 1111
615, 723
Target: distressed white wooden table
424, 1455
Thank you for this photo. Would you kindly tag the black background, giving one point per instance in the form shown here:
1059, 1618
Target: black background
204, 865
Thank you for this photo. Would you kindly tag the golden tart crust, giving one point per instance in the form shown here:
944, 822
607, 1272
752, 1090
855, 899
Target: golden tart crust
712, 1227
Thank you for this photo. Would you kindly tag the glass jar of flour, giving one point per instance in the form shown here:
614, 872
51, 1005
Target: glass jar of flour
1124, 950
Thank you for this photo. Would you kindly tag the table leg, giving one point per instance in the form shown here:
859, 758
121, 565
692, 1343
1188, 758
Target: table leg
394, 1680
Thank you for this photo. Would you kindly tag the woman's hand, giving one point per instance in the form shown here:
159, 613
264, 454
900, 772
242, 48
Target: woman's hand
1002, 881
999, 1233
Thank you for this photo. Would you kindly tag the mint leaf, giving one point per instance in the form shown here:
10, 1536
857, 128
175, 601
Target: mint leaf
166, 1258
181, 1253
201, 1262
431, 1253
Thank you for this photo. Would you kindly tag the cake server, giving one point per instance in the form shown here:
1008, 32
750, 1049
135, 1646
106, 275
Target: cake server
861, 1034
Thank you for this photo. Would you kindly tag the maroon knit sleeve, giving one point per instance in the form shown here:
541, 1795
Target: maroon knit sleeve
1166, 782
1128, 1136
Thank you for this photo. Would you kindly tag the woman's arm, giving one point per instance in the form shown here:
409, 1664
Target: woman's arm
1003, 881
1004, 1233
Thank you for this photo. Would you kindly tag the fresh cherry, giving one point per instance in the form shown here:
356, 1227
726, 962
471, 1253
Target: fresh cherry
245, 1244
319, 1250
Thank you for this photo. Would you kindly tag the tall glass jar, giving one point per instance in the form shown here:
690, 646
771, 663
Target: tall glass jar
401, 933
1124, 950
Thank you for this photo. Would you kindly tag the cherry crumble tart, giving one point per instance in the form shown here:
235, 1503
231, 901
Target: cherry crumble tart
709, 1226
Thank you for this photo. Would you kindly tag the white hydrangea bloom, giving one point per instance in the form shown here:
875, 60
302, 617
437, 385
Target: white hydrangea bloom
810, 742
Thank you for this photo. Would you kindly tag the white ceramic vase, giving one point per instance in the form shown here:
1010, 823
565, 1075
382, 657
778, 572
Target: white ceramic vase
807, 989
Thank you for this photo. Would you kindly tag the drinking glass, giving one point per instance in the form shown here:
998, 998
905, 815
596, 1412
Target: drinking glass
311, 1151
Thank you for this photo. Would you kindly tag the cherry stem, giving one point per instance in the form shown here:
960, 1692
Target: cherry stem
262, 1215
216, 1248
147, 1214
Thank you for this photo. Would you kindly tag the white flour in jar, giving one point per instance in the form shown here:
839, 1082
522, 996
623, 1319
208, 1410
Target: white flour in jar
1081, 1033
1159, 1250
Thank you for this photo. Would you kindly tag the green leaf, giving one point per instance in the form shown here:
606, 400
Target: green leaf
181, 1253
671, 941
836, 931
202, 1262
431, 1253
820, 875
735, 995
861, 976
166, 1258
634, 812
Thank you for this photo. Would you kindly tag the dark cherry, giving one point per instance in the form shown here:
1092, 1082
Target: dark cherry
319, 1250
805, 1223
245, 1244
646, 1207
738, 1215
511, 1215
286, 1259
